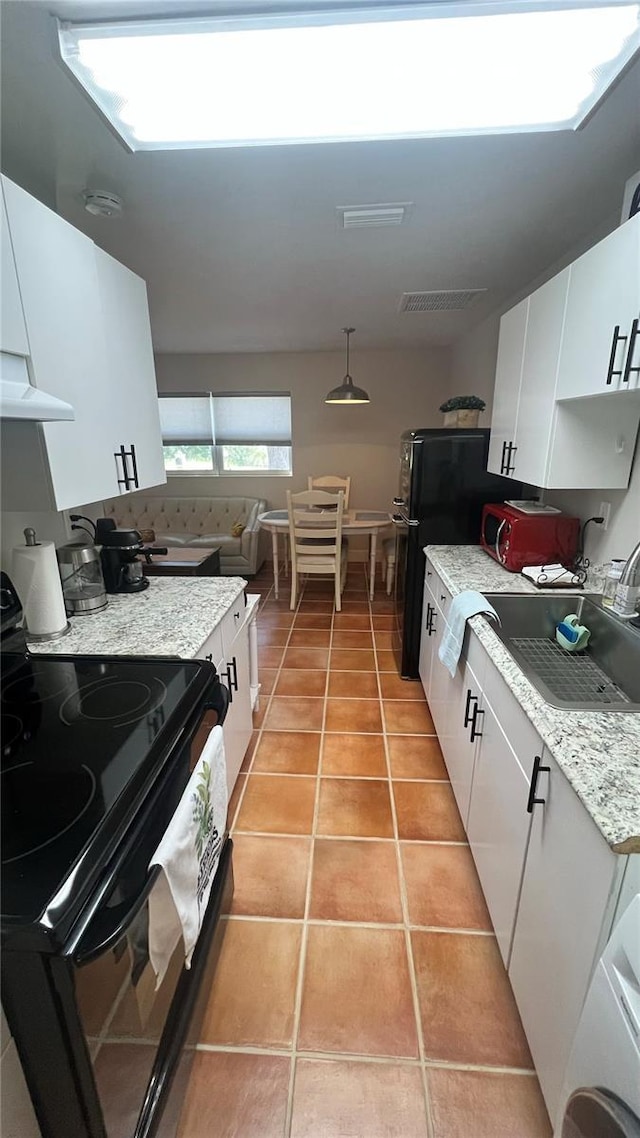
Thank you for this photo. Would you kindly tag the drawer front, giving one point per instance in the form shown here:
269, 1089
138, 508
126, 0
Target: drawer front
441, 595
232, 622
212, 649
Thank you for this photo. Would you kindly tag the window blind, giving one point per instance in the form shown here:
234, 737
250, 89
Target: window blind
187, 419
254, 420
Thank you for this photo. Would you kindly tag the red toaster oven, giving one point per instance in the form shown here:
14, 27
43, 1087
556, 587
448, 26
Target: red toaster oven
517, 539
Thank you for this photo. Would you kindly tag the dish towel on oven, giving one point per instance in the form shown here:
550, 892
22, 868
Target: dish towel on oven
188, 855
466, 604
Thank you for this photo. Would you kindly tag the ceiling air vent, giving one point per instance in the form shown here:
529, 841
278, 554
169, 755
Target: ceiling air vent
447, 300
373, 216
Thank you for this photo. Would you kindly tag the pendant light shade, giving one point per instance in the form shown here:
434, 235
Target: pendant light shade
347, 392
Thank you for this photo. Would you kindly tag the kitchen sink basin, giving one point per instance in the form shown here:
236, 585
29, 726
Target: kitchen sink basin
604, 677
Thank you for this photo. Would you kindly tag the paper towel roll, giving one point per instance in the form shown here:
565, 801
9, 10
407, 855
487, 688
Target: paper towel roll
37, 581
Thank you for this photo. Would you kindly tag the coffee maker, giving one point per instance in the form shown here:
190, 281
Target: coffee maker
119, 557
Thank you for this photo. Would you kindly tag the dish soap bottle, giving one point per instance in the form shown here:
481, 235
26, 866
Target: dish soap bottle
614, 574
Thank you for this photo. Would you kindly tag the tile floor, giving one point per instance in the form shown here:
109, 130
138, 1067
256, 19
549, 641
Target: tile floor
360, 992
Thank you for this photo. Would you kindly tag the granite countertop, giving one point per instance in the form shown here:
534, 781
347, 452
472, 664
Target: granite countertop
599, 752
173, 617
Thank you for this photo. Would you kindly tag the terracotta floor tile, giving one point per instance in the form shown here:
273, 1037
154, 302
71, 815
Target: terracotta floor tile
484, 1105
259, 713
361, 756
270, 876
288, 752
248, 755
300, 681
309, 638
355, 881
352, 621
408, 717
269, 657
316, 620
352, 660
268, 619
336, 1099
267, 680
349, 639
386, 662
468, 1011
355, 808
232, 1095
307, 604
384, 622
235, 798
382, 604
427, 811
382, 639
343, 1007
416, 756
393, 687
281, 605
273, 636
443, 888
358, 607
290, 712
306, 658
353, 715
353, 685
253, 993
277, 804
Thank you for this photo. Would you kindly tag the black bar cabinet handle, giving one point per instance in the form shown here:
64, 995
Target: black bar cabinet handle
532, 800
628, 367
432, 627
467, 710
428, 619
126, 478
234, 665
227, 675
475, 734
611, 370
132, 452
502, 461
511, 467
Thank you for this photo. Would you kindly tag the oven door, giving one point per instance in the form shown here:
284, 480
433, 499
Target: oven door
140, 1042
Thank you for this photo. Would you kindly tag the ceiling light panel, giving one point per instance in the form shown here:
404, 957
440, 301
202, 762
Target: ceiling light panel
409, 72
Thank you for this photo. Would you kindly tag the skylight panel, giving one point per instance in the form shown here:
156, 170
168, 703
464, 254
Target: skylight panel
446, 69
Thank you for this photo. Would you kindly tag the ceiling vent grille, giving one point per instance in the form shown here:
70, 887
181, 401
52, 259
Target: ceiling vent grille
447, 300
372, 216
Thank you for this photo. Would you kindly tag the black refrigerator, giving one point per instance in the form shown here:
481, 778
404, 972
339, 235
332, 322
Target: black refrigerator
444, 483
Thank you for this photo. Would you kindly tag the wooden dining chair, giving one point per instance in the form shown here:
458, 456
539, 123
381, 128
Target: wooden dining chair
331, 483
315, 536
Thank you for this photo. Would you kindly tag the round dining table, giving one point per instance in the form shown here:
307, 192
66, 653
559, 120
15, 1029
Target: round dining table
369, 522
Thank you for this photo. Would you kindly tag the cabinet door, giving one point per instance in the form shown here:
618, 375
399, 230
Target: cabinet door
13, 330
463, 722
604, 295
132, 377
238, 725
513, 328
498, 823
427, 639
536, 407
568, 877
56, 270
439, 685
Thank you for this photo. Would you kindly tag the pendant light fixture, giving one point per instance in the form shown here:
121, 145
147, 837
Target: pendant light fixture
347, 392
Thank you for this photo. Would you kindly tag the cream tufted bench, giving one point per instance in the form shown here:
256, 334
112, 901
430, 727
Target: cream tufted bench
198, 523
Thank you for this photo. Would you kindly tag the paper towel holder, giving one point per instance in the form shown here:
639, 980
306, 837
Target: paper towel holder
30, 541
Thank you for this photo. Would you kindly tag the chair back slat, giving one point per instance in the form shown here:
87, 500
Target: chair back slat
331, 483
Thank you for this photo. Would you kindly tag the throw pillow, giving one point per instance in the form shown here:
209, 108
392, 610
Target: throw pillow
237, 529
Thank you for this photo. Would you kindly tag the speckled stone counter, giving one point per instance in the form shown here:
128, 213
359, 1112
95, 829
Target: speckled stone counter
173, 617
598, 752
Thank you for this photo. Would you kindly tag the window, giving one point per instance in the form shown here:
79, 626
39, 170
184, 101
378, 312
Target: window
226, 434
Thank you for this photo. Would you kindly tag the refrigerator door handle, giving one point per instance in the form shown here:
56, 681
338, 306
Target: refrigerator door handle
398, 520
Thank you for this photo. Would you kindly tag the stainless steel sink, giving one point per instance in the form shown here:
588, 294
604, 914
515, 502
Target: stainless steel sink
605, 677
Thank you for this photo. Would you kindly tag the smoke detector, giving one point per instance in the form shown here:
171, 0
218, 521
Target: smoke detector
102, 203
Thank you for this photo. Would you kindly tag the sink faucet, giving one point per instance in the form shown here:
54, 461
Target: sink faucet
631, 571
628, 591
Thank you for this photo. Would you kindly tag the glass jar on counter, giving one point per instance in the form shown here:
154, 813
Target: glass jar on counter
612, 580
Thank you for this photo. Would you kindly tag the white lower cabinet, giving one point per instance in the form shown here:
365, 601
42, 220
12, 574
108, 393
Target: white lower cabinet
571, 879
463, 717
427, 639
498, 823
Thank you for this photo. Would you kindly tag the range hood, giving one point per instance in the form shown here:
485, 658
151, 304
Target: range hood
19, 400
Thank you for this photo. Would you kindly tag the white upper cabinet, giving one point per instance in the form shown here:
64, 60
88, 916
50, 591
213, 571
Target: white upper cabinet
548, 357
89, 342
13, 330
58, 280
131, 373
601, 347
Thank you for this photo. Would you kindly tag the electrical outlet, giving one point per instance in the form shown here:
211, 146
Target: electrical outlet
603, 511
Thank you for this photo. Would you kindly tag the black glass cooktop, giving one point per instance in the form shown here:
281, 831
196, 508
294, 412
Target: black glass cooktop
81, 737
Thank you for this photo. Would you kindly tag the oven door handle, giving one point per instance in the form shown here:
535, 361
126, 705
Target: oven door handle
106, 931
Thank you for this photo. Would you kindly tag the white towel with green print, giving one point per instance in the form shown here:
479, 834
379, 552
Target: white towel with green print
188, 856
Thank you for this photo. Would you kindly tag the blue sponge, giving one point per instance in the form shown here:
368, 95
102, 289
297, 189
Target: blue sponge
568, 632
